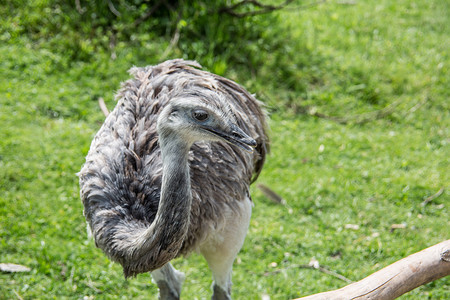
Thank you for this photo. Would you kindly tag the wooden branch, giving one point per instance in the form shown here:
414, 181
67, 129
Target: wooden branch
358, 119
113, 9
432, 197
17, 295
365, 117
269, 193
312, 267
262, 8
148, 14
398, 278
176, 35
253, 2
103, 107
80, 9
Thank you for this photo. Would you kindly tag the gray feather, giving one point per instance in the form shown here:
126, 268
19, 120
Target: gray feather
122, 177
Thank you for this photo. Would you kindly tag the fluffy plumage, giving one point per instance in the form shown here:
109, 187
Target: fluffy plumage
121, 179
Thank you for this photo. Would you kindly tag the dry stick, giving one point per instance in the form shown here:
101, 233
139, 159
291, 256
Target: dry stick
148, 14
319, 268
269, 193
418, 105
72, 273
235, 6
332, 273
293, 8
365, 117
103, 107
432, 197
112, 44
357, 119
18, 295
91, 284
398, 278
113, 9
173, 42
176, 35
326, 271
79, 8
262, 8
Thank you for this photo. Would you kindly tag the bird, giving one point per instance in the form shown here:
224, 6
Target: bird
168, 173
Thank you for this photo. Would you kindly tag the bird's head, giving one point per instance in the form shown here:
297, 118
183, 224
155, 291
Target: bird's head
194, 119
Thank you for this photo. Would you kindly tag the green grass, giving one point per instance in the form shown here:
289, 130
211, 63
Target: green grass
342, 60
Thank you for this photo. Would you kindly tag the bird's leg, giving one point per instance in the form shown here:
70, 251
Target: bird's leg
221, 249
221, 267
169, 282
220, 294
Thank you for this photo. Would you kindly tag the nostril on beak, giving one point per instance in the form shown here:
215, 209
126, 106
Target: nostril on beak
246, 139
237, 135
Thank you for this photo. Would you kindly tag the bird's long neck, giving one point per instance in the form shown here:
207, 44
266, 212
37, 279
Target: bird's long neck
163, 239
175, 202
172, 219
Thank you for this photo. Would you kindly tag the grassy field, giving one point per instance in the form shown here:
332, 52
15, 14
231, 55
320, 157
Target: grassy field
344, 185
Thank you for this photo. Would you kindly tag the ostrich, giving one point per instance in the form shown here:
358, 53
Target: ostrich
169, 172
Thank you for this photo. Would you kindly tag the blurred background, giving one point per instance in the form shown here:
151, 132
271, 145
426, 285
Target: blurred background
358, 96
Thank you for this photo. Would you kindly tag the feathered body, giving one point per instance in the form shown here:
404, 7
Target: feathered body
122, 177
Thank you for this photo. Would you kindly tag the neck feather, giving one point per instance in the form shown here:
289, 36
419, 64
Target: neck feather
176, 185
173, 216
163, 239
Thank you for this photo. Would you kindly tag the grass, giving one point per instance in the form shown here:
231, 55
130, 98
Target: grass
341, 60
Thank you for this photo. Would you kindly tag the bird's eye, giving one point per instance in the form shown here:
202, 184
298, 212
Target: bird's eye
200, 115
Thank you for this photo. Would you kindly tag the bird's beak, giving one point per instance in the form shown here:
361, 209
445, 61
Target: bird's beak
241, 139
237, 137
